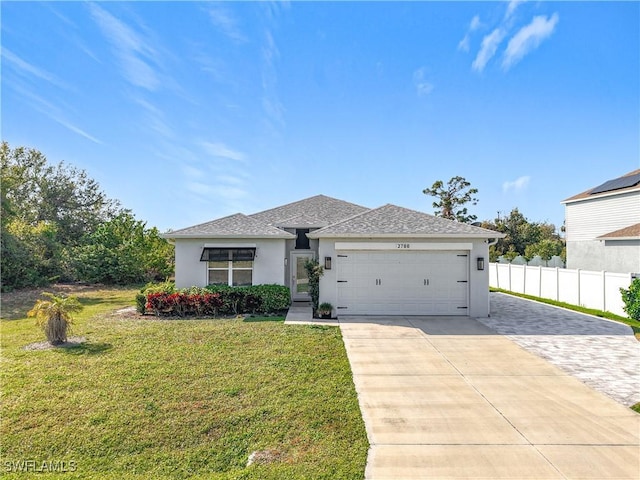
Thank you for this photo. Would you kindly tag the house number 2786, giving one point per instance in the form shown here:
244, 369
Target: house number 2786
403, 245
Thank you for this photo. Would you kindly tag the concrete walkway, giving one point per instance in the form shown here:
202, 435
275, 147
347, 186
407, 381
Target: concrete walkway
301, 313
448, 398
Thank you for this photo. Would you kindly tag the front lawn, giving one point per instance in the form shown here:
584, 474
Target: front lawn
157, 398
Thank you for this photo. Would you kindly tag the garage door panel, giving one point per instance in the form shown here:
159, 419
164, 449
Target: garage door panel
410, 283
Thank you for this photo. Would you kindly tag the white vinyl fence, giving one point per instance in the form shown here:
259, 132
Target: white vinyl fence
598, 290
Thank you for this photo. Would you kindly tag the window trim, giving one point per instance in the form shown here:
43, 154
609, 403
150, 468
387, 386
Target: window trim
234, 254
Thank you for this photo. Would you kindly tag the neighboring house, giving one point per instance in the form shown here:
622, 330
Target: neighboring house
388, 260
603, 226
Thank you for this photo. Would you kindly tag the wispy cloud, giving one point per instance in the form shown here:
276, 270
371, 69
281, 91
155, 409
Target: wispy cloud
473, 26
423, 87
226, 22
528, 38
155, 119
220, 150
517, 185
133, 51
52, 111
26, 69
271, 104
511, 8
223, 192
488, 49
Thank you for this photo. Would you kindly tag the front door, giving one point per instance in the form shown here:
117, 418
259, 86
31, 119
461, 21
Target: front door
299, 278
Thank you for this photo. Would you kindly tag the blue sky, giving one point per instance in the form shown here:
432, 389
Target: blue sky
189, 111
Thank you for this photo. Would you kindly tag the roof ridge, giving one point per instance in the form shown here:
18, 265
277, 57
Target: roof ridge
349, 218
394, 219
320, 195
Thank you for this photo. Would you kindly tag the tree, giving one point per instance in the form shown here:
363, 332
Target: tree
54, 316
46, 210
545, 248
452, 198
57, 224
35, 191
123, 251
524, 238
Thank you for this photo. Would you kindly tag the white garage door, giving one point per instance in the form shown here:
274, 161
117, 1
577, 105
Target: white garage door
403, 283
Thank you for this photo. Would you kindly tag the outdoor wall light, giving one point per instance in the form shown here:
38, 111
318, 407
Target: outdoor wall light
327, 263
480, 263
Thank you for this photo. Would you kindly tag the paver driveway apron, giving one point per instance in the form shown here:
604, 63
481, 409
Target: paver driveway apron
448, 398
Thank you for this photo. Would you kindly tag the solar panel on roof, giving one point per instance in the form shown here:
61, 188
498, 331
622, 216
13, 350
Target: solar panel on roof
617, 184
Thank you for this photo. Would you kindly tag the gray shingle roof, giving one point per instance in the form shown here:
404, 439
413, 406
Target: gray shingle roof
233, 226
318, 211
391, 220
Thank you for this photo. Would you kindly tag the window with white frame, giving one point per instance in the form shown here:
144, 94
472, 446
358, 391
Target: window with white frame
229, 266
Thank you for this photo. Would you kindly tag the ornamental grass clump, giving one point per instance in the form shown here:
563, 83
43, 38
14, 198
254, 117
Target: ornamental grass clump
54, 316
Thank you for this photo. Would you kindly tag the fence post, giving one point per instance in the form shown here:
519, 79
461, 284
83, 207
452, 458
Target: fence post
557, 284
604, 291
510, 278
540, 280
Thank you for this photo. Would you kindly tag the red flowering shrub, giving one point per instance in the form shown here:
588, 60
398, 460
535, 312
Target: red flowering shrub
183, 304
213, 300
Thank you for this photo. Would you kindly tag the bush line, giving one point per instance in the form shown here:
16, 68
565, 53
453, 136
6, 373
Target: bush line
163, 299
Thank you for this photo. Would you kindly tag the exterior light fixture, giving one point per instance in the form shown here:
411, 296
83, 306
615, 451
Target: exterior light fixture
327, 263
480, 263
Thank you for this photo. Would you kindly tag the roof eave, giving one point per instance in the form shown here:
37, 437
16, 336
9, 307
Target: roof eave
205, 236
619, 238
585, 196
406, 235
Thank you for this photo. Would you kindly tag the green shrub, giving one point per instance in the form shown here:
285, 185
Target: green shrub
164, 299
631, 299
314, 272
141, 303
275, 298
164, 287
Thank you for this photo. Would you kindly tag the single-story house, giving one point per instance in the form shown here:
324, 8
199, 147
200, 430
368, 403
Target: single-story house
387, 260
603, 226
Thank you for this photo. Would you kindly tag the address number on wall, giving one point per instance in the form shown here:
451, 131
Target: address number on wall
403, 245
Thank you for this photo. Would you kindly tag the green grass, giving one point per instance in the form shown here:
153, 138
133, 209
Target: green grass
634, 324
157, 398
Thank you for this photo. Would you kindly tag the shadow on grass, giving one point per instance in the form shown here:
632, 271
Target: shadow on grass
263, 319
85, 349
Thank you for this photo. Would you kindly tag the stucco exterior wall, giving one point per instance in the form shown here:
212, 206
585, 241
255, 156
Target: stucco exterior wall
478, 280
587, 219
621, 256
268, 266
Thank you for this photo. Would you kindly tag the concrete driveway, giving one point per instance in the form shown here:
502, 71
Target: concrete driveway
449, 398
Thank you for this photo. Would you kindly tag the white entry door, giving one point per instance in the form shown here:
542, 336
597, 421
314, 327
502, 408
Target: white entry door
299, 277
403, 283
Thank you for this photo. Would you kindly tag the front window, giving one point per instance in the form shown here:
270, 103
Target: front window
229, 266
